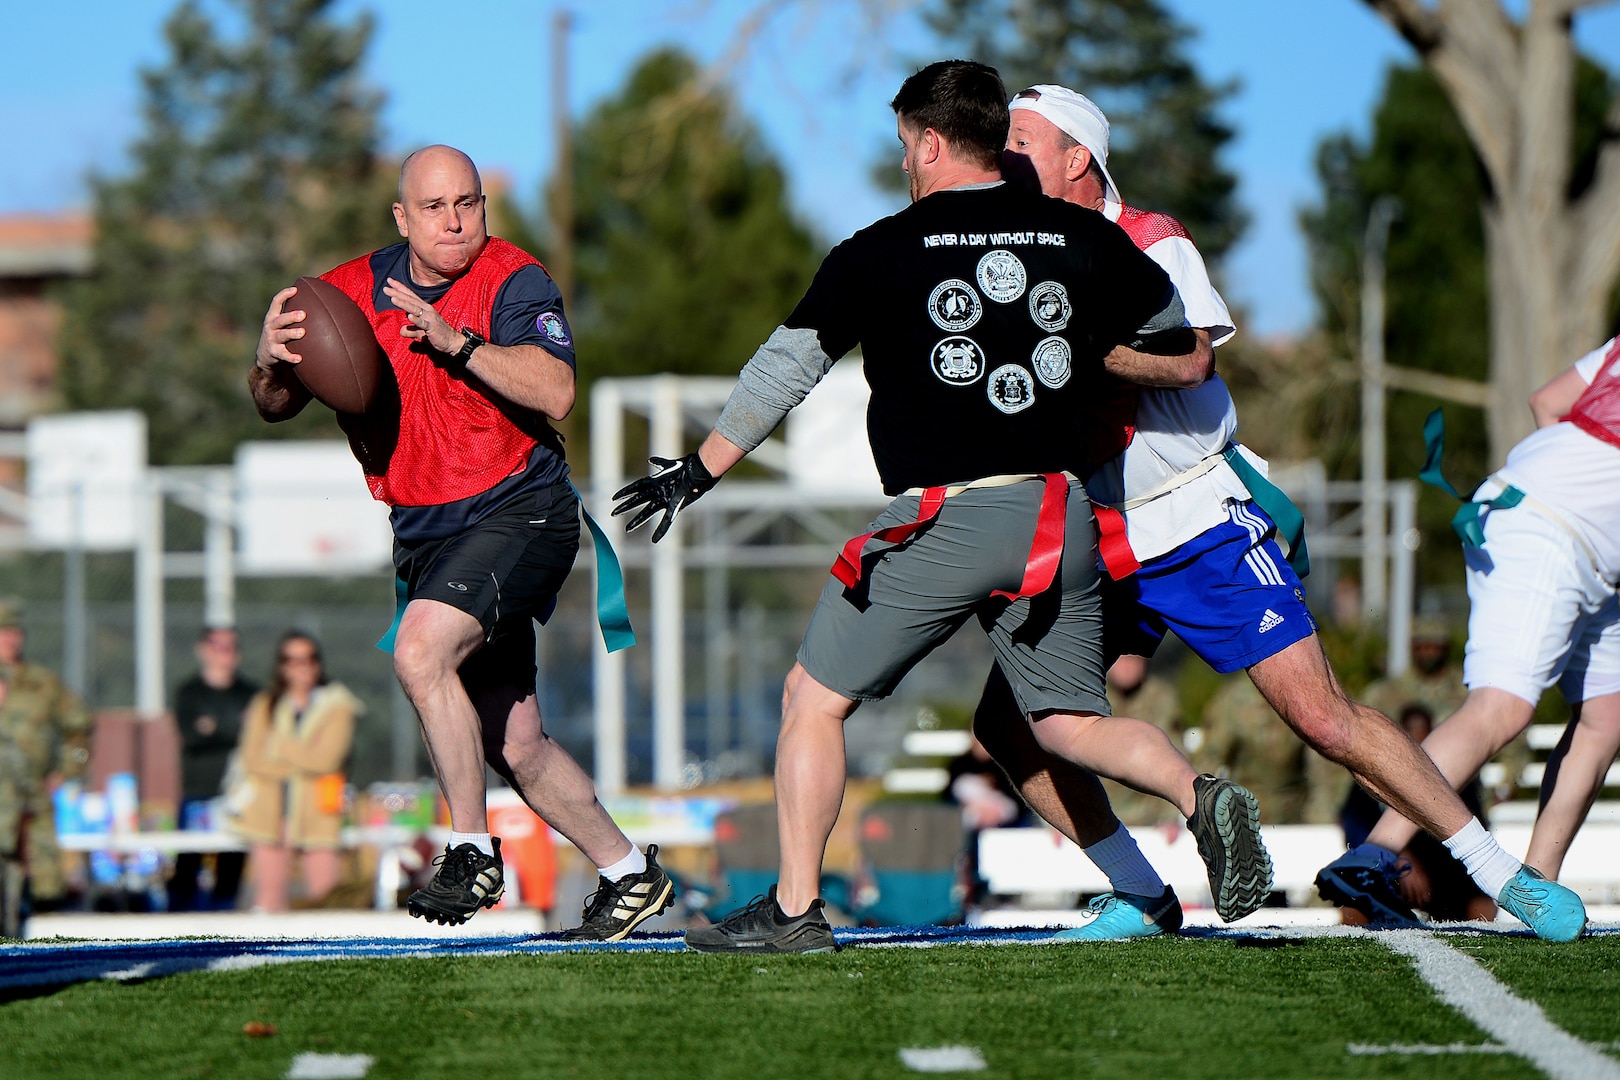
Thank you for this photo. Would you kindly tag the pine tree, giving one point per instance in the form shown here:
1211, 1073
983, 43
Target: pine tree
687, 254
1129, 56
257, 164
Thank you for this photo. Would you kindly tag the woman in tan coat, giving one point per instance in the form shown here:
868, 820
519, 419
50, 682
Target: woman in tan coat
296, 738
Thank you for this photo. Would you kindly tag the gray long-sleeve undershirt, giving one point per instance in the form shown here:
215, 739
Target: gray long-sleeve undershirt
780, 375
791, 362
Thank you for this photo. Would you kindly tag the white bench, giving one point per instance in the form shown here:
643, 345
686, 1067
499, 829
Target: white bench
1040, 867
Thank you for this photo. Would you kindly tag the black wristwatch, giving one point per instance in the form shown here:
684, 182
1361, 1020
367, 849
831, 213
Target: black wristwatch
474, 339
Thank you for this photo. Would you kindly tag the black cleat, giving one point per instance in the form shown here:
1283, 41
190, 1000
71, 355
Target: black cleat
1226, 825
761, 927
466, 881
1367, 879
618, 907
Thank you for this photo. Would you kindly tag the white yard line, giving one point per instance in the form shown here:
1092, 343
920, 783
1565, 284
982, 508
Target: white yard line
1520, 1025
942, 1059
330, 1066
1425, 1049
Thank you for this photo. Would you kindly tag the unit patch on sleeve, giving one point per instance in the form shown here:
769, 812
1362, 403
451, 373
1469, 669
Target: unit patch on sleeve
552, 325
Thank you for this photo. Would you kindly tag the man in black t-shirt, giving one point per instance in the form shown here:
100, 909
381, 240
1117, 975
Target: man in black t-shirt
986, 314
208, 710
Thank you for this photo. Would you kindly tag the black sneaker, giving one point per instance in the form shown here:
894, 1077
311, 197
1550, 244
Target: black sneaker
761, 927
1367, 879
1226, 825
466, 880
618, 907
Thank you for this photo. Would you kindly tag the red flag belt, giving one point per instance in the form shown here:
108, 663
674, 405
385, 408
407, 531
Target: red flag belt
1112, 543
1045, 551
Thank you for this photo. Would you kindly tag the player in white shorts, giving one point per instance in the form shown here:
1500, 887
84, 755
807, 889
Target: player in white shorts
1542, 590
1190, 549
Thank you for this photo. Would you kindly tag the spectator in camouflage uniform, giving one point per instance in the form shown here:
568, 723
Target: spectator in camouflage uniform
16, 792
51, 727
1243, 741
1434, 683
1132, 691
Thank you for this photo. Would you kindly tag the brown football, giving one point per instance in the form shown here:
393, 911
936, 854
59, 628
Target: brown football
342, 364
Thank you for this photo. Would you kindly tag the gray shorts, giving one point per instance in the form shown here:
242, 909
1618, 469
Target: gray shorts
861, 642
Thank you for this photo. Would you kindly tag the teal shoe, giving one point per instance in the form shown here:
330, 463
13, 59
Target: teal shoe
1117, 916
1554, 912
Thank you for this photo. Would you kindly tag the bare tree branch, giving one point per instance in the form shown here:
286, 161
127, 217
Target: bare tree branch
1413, 21
1595, 222
1471, 47
1565, 8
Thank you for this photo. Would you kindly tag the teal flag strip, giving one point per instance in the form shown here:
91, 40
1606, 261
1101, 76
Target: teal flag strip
612, 609
1278, 507
1467, 522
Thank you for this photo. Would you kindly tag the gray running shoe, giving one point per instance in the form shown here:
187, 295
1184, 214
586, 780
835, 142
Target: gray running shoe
618, 907
1226, 825
761, 927
466, 881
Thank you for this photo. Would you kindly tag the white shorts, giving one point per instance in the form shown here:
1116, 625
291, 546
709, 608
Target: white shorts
1541, 613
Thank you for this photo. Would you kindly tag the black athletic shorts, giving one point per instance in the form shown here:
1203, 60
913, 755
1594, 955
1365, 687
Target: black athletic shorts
504, 571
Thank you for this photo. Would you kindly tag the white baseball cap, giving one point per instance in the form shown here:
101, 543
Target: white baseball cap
1078, 117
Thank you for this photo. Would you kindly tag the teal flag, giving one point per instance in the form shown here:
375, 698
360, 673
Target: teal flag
1278, 507
612, 609
401, 598
1466, 522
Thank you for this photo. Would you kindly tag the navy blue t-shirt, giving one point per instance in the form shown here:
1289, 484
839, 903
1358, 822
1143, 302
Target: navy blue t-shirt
528, 311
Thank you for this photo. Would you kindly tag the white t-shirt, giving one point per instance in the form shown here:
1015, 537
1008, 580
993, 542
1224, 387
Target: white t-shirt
1176, 430
1575, 474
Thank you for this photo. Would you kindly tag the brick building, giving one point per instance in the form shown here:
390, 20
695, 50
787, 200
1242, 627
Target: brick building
37, 252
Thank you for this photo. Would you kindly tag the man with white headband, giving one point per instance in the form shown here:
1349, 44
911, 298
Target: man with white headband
1188, 523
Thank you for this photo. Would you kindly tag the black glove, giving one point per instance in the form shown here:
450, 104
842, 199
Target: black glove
675, 484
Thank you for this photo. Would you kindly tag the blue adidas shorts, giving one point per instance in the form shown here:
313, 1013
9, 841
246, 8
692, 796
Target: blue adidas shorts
1228, 593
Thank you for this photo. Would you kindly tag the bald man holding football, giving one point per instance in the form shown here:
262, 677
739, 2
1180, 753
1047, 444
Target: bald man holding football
486, 525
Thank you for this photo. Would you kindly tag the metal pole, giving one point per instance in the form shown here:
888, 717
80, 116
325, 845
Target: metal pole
561, 262
75, 637
716, 647
405, 737
219, 556
668, 607
1404, 543
149, 641
607, 669
1374, 546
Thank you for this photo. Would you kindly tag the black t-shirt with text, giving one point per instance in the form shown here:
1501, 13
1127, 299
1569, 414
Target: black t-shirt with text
983, 315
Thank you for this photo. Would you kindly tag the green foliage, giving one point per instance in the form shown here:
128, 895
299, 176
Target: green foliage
686, 253
1129, 56
1436, 294
257, 164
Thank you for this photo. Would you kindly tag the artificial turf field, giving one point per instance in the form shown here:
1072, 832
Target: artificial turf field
1214, 1005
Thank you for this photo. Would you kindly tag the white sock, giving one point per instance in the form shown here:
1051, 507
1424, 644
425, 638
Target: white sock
1127, 868
633, 863
480, 840
1483, 858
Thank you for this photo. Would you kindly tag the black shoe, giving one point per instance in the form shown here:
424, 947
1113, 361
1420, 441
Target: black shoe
1367, 878
618, 907
466, 880
761, 927
1226, 825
